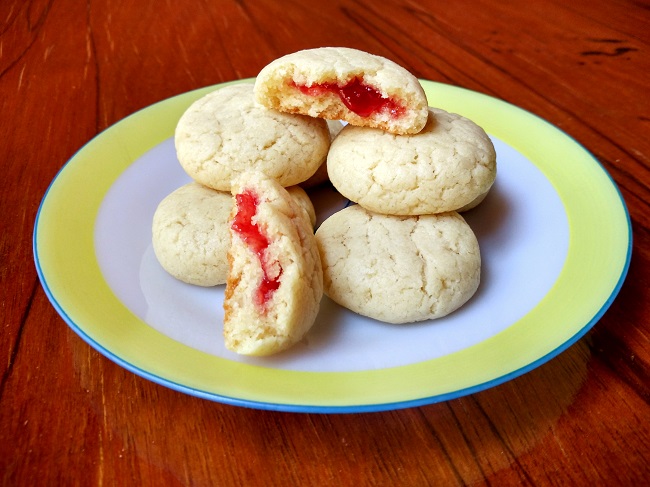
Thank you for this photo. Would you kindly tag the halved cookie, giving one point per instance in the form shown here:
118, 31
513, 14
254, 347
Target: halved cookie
275, 279
339, 83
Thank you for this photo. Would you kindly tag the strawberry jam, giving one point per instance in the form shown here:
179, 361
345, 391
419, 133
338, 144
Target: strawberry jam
357, 96
250, 233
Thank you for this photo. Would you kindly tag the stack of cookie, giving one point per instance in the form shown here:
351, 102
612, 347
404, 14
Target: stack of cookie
244, 220
403, 253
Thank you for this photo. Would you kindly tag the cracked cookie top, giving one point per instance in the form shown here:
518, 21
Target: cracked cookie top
398, 269
445, 167
226, 133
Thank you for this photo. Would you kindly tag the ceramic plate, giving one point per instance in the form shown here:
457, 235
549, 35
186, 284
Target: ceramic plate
555, 241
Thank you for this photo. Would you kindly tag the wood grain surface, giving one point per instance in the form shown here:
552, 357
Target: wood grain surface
69, 416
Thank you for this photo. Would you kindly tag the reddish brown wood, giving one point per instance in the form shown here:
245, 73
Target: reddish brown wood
69, 416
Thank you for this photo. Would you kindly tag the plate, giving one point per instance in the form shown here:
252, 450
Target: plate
555, 239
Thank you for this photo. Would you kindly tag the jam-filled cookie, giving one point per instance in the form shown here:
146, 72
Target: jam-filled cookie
340, 83
275, 280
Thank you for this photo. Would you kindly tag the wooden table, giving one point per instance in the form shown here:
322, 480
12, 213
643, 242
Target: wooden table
69, 416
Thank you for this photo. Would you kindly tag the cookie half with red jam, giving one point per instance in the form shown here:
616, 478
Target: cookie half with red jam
339, 83
275, 278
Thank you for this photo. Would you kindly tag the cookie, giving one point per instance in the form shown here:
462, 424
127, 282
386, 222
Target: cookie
190, 235
398, 269
339, 83
275, 280
226, 133
445, 167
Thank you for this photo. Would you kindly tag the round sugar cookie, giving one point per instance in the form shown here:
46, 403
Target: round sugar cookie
190, 234
339, 83
445, 167
398, 269
226, 132
275, 280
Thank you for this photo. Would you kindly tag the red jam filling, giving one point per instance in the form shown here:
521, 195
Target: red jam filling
357, 96
250, 233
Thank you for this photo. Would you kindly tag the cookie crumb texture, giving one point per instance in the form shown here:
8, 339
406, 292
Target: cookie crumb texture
448, 166
338, 83
226, 133
275, 280
399, 269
